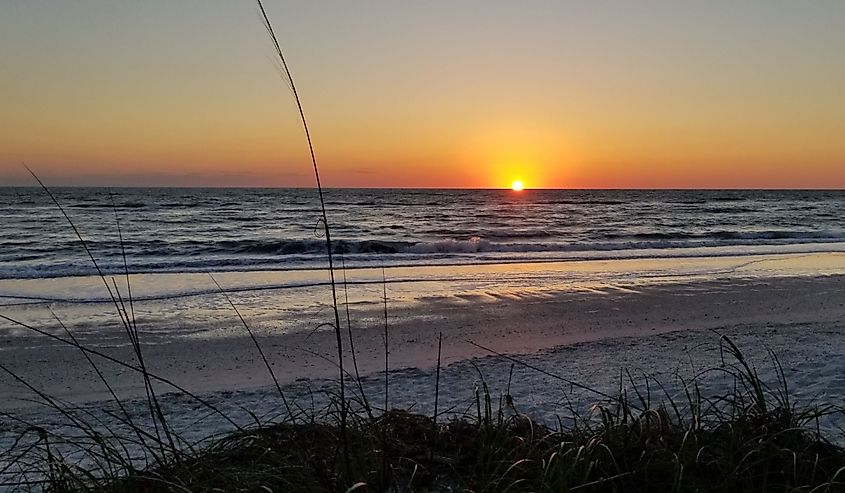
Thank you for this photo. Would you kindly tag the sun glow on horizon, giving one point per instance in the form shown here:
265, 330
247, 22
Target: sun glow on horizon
517, 186
588, 104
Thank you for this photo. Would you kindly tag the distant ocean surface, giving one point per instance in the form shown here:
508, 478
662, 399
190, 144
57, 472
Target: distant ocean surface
198, 230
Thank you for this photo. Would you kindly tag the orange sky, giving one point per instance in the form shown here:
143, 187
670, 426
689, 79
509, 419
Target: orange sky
435, 94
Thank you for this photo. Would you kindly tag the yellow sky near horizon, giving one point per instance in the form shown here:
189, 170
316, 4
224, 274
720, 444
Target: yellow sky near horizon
557, 94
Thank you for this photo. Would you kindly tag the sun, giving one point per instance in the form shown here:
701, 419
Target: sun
517, 186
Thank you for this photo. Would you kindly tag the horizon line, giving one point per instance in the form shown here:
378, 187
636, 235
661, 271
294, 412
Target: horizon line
314, 187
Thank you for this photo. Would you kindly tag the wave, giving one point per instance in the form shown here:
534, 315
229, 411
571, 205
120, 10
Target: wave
437, 255
736, 235
109, 205
494, 240
638, 242
292, 247
728, 210
249, 255
581, 202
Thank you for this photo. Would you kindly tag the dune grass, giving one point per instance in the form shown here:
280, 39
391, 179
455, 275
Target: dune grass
753, 438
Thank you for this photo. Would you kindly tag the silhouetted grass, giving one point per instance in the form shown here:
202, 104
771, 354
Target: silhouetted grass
753, 438
288, 77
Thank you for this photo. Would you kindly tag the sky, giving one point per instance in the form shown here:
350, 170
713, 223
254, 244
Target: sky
558, 94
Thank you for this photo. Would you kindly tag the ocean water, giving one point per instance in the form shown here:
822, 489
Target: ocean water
199, 230
265, 248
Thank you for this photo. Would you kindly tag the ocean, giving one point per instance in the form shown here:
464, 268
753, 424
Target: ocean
197, 230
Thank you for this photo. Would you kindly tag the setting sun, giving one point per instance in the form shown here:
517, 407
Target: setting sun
517, 186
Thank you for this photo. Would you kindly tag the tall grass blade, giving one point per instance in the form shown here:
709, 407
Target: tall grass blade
256, 344
339, 339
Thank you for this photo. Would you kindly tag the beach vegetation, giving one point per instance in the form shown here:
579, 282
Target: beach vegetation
753, 438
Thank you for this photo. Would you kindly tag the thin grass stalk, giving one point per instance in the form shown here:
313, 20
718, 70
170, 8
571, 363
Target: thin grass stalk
121, 314
115, 458
63, 409
108, 386
339, 340
82, 241
125, 267
130, 316
386, 342
52, 403
257, 346
152, 399
549, 374
14, 460
437, 377
125, 365
108, 456
367, 407
385, 465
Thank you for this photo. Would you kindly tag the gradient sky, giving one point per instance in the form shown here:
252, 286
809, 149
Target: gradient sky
646, 94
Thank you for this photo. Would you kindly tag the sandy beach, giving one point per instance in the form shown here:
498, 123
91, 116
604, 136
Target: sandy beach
586, 331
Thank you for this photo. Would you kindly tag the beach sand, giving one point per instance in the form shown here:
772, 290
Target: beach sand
588, 330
